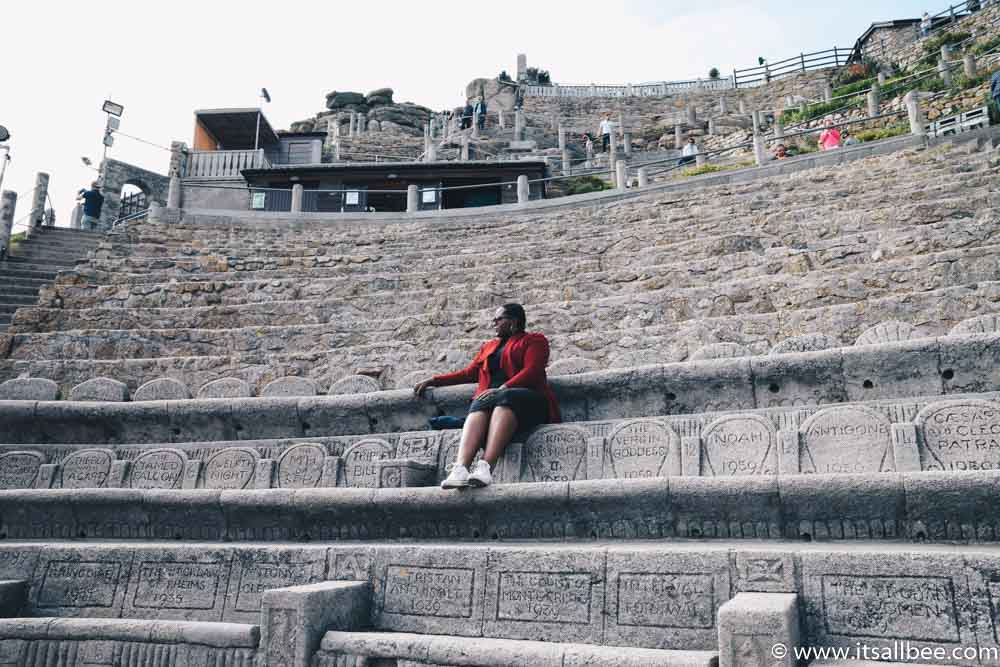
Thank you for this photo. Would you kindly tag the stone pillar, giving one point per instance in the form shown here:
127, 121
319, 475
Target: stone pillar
743, 107
678, 137
621, 176
518, 125
881, 78
8, 204
873, 100
75, 221
759, 149
433, 126
522, 66
500, 119
969, 65
612, 154
759, 630
363, 123
350, 124
779, 127
755, 119
643, 176
523, 189
627, 143
944, 72
692, 115
562, 137
297, 198
178, 159
37, 216
464, 155
475, 124
427, 139
699, 158
946, 52
432, 151
723, 105
711, 127
412, 199
590, 156
336, 151
915, 114
174, 193
567, 168
827, 91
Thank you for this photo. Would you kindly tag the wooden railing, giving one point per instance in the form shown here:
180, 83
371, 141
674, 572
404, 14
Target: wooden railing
224, 164
757, 76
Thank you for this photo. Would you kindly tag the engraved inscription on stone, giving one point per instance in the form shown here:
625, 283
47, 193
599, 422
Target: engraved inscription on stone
301, 466
739, 445
361, 462
255, 578
846, 439
19, 470
549, 597
231, 468
666, 600
87, 468
429, 591
170, 585
79, 584
960, 435
556, 454
640, 449
158, 469
418, 448
917, 608
770, 570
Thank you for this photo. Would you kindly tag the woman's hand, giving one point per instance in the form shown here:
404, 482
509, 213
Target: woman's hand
421, 387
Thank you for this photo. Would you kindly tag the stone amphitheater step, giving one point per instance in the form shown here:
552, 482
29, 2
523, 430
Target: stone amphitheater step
783, 276
600, 332
956, 194
597, 604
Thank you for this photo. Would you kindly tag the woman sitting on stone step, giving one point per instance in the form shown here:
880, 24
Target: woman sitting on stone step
512, 398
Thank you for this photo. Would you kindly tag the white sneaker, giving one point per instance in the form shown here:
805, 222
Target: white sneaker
458, 479
480, 474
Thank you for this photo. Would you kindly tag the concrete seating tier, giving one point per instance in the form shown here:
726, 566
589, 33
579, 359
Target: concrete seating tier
538, 604
259, 356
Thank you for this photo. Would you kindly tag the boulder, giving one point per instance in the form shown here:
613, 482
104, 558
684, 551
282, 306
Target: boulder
338, 100
378, 101
497, 96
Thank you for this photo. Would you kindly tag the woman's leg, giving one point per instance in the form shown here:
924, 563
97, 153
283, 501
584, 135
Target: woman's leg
503, 425
473, 435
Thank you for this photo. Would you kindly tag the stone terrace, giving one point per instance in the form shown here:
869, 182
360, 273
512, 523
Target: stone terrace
781, 412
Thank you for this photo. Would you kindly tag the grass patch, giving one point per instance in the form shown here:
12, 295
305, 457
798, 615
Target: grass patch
584, 184
810, 112
855, 87
933, 45
982, 47
16, 240
704, 169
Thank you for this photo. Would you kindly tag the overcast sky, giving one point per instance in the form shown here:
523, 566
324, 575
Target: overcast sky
163, 60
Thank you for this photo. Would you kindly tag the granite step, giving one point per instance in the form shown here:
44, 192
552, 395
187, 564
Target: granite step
582, 325
787, 282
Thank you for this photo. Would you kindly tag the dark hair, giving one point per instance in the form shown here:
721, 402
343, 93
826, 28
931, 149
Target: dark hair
515, 311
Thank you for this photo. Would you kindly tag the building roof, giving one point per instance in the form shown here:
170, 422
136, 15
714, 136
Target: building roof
470, 168
236, 129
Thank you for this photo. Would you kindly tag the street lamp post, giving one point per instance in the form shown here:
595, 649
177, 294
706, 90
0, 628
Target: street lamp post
4, 136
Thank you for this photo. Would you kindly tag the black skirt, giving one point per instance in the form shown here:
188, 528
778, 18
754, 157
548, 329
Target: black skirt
529, 406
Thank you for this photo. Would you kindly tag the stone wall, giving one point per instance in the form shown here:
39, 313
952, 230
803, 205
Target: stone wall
884, 44
982, 24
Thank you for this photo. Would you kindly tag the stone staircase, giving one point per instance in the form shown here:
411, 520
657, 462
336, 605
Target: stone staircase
36, 262
781, 413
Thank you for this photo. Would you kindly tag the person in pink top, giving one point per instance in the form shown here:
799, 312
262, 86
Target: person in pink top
829, 138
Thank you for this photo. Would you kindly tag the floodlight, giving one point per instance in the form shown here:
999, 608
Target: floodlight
4, 134
113, 108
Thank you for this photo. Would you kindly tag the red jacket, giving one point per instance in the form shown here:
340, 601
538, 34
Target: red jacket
523, 360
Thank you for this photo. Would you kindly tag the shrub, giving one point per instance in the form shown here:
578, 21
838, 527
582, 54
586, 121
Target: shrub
854, 87
933, 46
852, 73
582, 184
713, 73
882, 133
982, 47
810, 112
